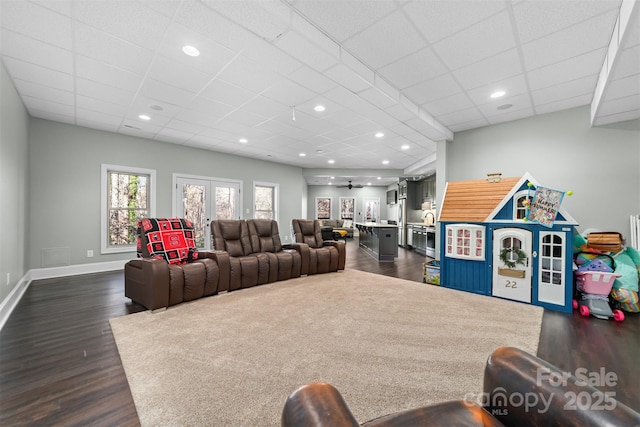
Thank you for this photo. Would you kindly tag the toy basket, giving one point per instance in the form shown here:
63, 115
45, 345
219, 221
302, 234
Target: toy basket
595, 282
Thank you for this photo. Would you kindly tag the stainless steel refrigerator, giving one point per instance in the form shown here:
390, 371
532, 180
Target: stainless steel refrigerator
402, 223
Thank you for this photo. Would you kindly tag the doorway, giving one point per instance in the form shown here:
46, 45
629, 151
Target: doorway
511, 264
202, 200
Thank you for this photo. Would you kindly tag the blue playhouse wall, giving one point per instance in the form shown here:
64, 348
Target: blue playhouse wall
476, 276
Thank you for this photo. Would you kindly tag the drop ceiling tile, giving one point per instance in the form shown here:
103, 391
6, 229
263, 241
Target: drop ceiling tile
173, 135
271, 57
105, 73
176, 74
311, 79
104, 92
490, 70
165, 93
345, 77
519, 102
37, 74
341, 18
569, 89
166, 7
54, 116
477, 42
200, 18
620, 105
440, 19
377, 98
93, 104
265, 19
443, 86
204, 111
17, 46
48, 106
288, 93
36, 90
98, 125
111, 50
245, 118
98, 117
37, 22
564, 104
628, 63
248, 74
130, 21
463, 116
399, 112
62, 7
616, 118
304, 50
566, 71
266, 107
534, 22
510, 116
473, 124
213, 56
378, 45
573, 41
220, 91
623, 87
413, 68
459, 101
512, 86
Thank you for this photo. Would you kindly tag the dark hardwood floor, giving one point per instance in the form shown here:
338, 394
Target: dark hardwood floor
59, 364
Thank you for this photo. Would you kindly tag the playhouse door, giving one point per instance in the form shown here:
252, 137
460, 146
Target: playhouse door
511, 264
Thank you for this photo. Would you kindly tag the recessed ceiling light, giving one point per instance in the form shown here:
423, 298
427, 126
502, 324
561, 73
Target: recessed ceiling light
319, 108
504, 106
385, 162
190, 50
379, 177
331, 161
144, 117
379, 135
498, 94
368, 183
302, 155
243, 140
332, 177
405, 147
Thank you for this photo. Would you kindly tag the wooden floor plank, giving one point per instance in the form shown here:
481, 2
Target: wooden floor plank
59, 364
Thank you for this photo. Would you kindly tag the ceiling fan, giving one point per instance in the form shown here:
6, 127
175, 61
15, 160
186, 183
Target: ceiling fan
349, 186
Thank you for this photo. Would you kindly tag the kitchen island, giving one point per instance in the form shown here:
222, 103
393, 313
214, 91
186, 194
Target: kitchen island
379, 240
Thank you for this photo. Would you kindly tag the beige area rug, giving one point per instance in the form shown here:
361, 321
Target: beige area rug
387, 344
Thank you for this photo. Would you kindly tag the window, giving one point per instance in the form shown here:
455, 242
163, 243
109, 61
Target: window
520, 208
127, 194
265, 200
551, 258
465, 241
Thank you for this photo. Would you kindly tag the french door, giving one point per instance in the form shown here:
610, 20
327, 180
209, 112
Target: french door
203, 200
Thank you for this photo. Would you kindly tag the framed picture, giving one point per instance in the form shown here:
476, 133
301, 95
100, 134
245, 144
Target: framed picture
347, 207
372, 209
323, 207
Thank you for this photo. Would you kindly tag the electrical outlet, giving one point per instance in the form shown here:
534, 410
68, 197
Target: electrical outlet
89, 253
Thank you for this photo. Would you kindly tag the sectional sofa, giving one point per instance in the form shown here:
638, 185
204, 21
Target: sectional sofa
169, 270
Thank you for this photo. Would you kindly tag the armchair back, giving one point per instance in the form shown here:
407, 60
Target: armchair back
232, 236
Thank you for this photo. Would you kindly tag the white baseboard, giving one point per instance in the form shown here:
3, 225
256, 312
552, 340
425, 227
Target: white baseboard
11, 301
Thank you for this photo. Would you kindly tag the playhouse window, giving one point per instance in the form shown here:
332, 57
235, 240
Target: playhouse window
551, 258
519, 207
465, 241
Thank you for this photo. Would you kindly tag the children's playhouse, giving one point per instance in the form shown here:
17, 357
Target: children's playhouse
490, 245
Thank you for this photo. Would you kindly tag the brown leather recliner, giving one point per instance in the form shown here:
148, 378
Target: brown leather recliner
324, 256
247, 268
519, 390
170, 270
265, 238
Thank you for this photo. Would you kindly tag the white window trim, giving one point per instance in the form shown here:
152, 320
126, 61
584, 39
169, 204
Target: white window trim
517, 196
472, 244
276, 196
104, 247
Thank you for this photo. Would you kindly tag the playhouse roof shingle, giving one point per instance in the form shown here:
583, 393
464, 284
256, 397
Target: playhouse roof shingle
475, 200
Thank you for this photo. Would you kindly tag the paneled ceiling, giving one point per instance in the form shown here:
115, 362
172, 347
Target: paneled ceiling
415, 71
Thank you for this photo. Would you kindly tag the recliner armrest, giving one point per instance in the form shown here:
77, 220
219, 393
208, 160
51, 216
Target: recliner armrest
146, 281
342, 251
224, 265
521, 389
303, 250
